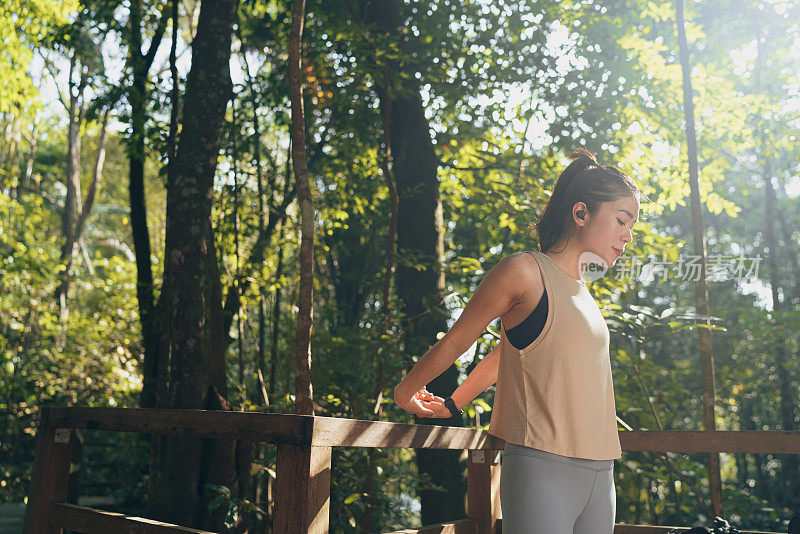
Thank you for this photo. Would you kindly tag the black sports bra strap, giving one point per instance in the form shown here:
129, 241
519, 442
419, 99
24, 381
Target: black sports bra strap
526, 332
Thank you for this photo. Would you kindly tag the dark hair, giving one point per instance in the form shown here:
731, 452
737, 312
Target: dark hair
584, 180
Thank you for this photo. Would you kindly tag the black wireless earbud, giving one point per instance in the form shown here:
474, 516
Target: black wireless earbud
581, 214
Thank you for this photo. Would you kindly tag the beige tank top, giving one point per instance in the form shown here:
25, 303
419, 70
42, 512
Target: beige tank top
557, 394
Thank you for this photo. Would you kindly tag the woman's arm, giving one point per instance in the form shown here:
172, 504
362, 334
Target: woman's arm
482, 376
499, 290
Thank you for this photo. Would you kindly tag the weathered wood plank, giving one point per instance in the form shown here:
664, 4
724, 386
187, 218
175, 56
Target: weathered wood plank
339, 432
462, 526
302, 490
247, 426
774, 442
483, 489
50, 477
274, 428
648, 529
90, 521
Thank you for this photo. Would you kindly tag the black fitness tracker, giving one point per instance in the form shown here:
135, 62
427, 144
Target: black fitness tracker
451, 405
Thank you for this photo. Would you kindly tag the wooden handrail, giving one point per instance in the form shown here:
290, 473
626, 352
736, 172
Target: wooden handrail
82, 519
462, 526
302, 503
272, 428
730, 441
648, 529
337, 432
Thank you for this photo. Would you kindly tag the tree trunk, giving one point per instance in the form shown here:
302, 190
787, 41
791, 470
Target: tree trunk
386, 113
192, 302
137, 96
72, 201
175, 95
25, 180
237, 270
244, 449
790, 469
747, 423
304, 395
794, 261
154, 330
276, 318
420, 240
72, 206
12, 143
262, 303
86, 208
701, 293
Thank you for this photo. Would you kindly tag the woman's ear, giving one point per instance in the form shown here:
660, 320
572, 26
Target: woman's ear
580, 212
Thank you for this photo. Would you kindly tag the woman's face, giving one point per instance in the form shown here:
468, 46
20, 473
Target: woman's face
607, 231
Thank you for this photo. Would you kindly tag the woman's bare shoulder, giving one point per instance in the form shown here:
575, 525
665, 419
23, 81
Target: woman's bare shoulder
522, 273
522, 263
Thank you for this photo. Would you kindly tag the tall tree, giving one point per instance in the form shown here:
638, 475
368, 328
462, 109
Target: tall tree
140, 62
769, 155
304, 403
81, 42
701, 293
420, 244
191, 297
385, 157
75, 234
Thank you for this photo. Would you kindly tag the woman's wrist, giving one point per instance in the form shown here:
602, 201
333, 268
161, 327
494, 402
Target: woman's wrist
459, 402
451, 405
401, 395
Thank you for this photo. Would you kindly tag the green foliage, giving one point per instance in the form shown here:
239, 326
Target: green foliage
87, 360
24, 24
232, 506
508, 89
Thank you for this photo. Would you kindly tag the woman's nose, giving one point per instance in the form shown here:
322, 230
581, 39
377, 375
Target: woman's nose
628, 237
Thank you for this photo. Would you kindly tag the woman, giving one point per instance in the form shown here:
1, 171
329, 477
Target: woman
554, 401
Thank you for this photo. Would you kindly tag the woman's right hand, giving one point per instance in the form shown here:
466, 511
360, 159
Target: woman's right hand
419, 404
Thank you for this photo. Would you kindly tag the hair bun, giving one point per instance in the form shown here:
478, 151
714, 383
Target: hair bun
583, 154
582, 159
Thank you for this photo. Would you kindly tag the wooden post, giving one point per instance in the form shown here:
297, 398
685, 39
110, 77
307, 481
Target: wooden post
302, 490
50, 477
483, 489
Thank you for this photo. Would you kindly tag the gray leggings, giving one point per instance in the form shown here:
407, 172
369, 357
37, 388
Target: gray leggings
546, 493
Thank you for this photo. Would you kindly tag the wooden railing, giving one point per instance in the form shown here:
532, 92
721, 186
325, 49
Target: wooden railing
302, 489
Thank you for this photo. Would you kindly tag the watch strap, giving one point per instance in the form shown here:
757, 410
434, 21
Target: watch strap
451, 405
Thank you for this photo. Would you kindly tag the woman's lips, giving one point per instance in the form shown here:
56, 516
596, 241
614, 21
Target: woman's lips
617, 251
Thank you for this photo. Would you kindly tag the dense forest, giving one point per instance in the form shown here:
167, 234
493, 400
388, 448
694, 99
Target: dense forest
203, 206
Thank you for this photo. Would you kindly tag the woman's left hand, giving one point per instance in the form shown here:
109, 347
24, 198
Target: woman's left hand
433, 403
